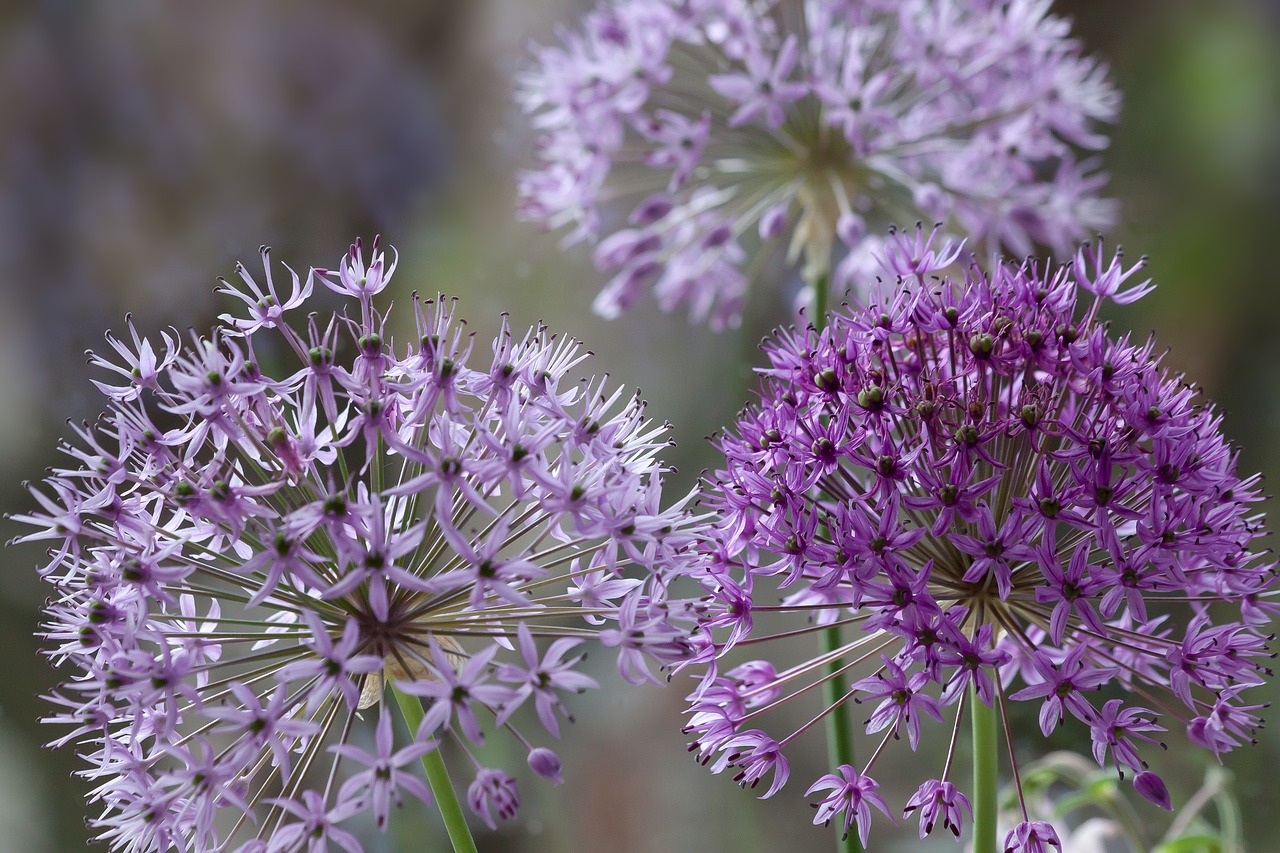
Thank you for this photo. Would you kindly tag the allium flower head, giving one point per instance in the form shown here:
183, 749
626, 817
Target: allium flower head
984, 488
725, 129
245, 558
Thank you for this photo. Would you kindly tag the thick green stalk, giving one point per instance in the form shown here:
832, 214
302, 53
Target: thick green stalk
986, 767
839, 727
820, 287
455, 822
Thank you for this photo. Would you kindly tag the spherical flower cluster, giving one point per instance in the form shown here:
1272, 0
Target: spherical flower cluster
245, 559
991, 496
727, 128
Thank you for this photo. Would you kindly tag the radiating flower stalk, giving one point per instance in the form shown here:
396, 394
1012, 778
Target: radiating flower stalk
996, 501
732, 132
838, 724
244, 561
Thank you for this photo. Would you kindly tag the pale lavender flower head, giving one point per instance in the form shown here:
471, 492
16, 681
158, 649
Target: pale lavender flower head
244, 557
688, 140
983, 487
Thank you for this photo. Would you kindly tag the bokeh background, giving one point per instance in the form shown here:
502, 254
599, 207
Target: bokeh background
145, 146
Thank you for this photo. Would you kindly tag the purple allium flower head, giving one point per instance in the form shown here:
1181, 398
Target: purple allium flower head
983, 487
244, 556
727, 129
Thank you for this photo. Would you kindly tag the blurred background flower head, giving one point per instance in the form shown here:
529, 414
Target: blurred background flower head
728, 129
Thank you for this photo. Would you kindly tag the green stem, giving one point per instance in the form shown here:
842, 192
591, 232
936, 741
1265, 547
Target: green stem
455, 822
821, 286
986, 763
839, 727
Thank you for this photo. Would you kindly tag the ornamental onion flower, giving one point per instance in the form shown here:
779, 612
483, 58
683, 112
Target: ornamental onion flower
723, 130
985, 489
243, 560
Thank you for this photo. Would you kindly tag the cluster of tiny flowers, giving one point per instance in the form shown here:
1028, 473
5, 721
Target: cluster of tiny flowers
243, 563
726, 128
990, 496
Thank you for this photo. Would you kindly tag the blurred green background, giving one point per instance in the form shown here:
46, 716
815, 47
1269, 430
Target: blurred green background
146, 146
